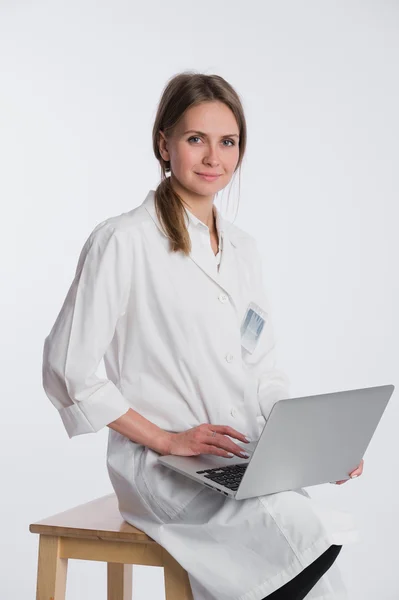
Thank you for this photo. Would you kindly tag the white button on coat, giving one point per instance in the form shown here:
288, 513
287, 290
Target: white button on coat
155, 317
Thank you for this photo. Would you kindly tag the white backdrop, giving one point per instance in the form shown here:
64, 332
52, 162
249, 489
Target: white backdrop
79, 86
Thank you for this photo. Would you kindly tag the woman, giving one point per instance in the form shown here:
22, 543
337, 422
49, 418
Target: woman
160, 292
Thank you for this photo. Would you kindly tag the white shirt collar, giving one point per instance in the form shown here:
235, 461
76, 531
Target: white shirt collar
226, 229
198, 224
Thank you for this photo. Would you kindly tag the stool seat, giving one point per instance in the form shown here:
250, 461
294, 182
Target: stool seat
96, 531
99, 518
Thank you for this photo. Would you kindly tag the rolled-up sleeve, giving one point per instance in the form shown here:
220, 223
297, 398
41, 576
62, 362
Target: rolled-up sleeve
272, 383
83, 330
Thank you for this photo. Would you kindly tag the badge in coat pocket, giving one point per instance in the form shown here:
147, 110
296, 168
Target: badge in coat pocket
252, 326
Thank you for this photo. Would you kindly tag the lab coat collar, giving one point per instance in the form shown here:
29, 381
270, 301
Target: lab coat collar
226, 277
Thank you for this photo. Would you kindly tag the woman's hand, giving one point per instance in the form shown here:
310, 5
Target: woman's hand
200, 440
358, 471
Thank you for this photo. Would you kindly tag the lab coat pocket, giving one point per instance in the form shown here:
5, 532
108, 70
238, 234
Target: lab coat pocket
166, 492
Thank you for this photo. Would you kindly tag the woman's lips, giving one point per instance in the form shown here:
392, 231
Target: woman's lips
208, 177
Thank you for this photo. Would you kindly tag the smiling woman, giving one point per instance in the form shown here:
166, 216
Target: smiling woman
160, 292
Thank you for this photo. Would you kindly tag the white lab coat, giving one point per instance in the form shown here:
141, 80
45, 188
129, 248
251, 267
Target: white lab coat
168, 327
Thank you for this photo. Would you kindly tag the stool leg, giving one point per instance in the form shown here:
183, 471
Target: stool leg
51, 570
177, 583
120, 581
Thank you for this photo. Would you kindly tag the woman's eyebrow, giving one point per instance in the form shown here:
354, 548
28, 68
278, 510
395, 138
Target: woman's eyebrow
204, 134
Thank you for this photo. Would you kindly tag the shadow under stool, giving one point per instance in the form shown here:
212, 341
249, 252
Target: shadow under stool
97, 531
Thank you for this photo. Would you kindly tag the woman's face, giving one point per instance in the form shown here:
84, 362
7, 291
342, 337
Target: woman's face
214, 151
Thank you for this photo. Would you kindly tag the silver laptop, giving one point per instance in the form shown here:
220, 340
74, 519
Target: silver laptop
306, 441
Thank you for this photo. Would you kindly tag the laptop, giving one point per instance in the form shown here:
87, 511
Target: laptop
306, 441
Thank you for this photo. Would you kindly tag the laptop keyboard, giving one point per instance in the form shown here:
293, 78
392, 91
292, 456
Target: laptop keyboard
229, 476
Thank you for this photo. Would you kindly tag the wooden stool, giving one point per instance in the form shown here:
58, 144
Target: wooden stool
97, 531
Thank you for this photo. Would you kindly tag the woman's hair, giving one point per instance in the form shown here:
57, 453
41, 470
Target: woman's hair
183, 91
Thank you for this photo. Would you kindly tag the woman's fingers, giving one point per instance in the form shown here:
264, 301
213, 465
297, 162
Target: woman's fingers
225, 443
358, 471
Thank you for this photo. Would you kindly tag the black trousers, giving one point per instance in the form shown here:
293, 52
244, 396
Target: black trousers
300, 586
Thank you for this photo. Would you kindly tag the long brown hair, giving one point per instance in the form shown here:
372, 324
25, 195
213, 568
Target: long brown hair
181, 92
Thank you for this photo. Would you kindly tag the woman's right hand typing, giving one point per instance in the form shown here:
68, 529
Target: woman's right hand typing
199, 440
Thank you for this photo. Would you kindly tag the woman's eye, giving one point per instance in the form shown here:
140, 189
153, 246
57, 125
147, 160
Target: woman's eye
195, 137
